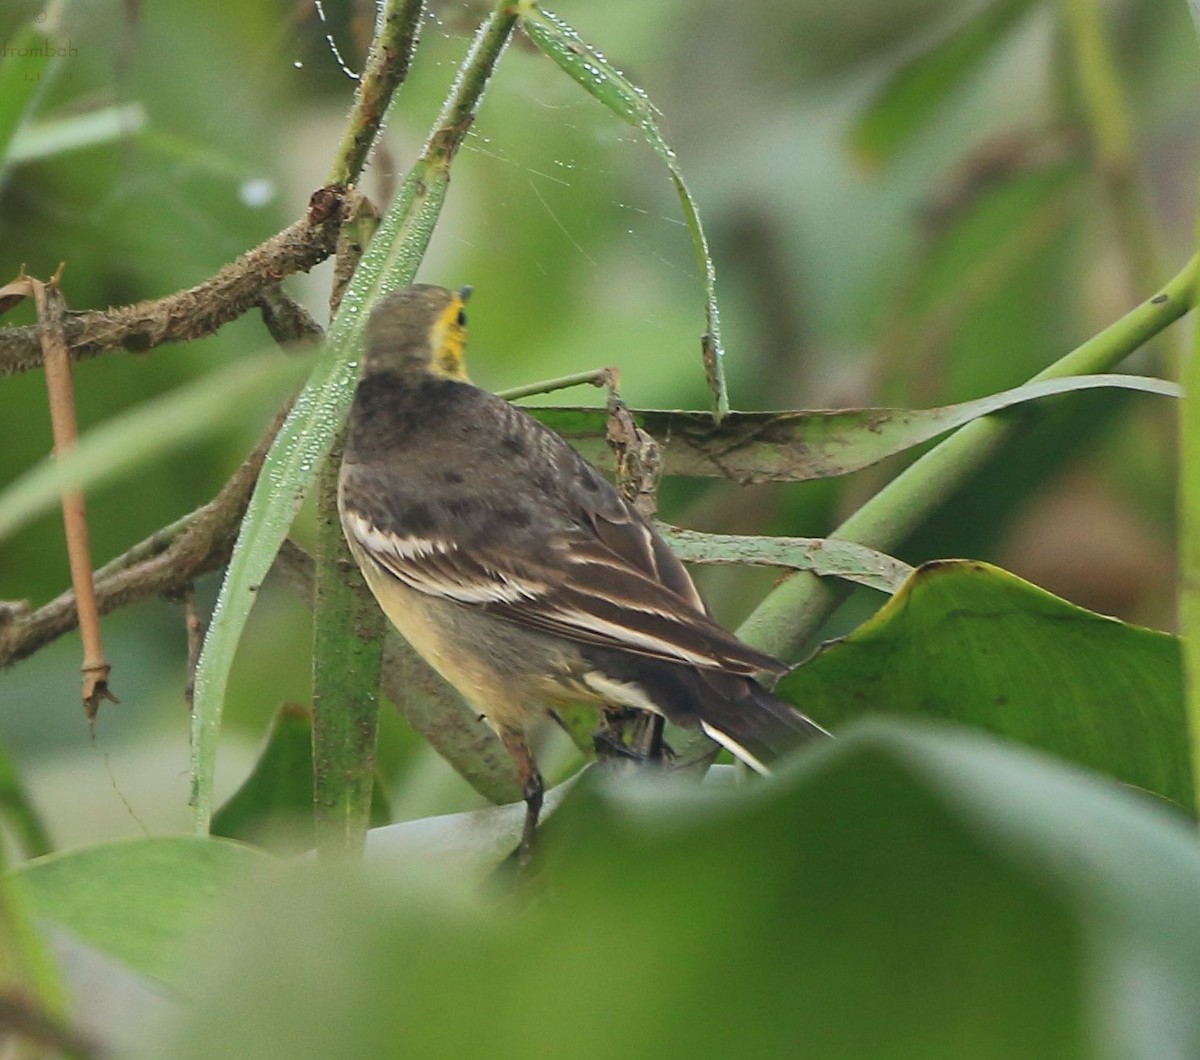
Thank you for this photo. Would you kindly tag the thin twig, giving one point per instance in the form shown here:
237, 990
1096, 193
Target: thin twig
596, 377
198, 311
51, 310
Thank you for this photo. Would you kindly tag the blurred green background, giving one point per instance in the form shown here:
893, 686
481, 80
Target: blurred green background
850, 271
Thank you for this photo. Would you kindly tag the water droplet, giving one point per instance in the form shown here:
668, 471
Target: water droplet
258, 191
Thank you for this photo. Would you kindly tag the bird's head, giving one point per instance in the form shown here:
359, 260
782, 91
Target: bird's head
418, 330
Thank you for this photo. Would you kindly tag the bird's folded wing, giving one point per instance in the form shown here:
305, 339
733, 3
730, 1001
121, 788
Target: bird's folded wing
579, 589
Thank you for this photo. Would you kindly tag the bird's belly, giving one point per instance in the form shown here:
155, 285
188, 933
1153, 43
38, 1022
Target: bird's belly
453, 639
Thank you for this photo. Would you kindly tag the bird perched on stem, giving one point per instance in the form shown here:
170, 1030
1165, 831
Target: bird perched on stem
515, 569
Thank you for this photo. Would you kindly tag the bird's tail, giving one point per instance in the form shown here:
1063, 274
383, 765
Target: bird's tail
755, 726
732, 709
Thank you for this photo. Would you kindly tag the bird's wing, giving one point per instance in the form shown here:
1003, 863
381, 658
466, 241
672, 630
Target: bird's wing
577, 585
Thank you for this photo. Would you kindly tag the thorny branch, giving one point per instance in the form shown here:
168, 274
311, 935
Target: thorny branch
198, 311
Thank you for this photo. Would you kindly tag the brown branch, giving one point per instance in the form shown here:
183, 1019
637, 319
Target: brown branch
164, 562
198, 311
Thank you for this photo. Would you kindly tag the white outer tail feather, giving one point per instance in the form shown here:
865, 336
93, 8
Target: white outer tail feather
734, 748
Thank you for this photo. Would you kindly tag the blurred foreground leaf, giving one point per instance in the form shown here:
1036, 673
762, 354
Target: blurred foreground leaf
902, 893
969, 642
37, 141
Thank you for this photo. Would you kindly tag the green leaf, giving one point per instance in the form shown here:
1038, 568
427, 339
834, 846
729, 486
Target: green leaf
901, 893
971, 643
28, 976
599, 77
795, 446
136, 899
149, 432
911, 98
38, 140
273, 809
824, 556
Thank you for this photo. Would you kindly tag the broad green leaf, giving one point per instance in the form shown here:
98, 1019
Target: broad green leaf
273, 808
824, 556
908, 100
968, 642
620, 95
149, 432
136, 899
794, 446
37, 140
901, 893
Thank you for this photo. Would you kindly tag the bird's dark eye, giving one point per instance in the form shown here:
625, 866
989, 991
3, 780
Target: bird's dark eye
462, 318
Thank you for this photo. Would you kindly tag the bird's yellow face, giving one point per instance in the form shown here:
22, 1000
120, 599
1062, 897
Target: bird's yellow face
448, 337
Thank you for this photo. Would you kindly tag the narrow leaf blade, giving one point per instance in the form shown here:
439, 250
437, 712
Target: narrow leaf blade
589, 68
797, 446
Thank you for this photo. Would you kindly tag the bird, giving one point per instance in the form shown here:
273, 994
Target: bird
516, 569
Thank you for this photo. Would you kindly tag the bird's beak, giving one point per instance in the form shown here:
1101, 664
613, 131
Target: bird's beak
465, 292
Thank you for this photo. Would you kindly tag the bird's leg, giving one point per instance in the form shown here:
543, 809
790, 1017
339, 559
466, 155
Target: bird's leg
646, 740
609, 738
532, 787
645, 744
